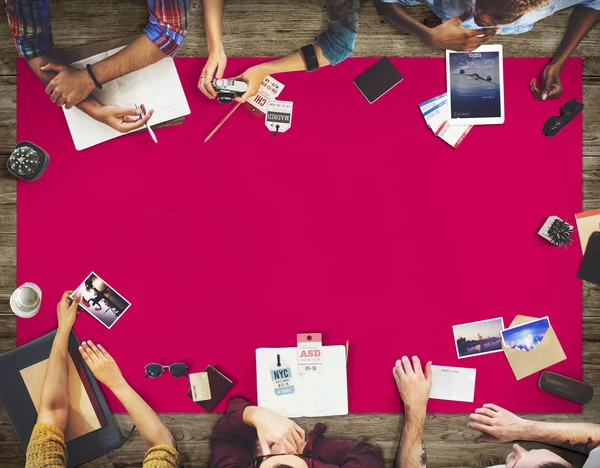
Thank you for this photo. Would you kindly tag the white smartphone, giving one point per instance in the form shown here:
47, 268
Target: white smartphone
475, 86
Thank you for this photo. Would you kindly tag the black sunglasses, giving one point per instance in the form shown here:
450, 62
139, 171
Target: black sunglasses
307, 458
155, 370
568, 112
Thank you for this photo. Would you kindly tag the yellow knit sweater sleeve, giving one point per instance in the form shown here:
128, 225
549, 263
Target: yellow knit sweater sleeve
46, 448
162, 456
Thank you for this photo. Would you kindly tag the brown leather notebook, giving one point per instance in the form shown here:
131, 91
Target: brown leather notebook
219, 386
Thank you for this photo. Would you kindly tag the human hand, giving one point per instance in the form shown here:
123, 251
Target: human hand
122, 119
414, 384
497, 424
550, 87
254, 76
102, 365
66, 310
70, 86
214, 68
274, 429
453, 36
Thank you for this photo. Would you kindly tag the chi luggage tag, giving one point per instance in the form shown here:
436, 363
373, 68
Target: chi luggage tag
269, 89
310, 356
278, 118
282, 377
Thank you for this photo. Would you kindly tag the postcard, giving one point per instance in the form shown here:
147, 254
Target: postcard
477, 338
101, 301
453, 383
588, 222
531, 345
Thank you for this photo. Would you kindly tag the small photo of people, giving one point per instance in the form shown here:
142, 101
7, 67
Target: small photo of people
100, 300
477, 338
526, 336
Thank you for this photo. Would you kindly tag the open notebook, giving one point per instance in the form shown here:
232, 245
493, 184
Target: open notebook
157, 86
313, 394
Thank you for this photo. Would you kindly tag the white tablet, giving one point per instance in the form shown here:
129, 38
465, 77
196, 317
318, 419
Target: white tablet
475, 84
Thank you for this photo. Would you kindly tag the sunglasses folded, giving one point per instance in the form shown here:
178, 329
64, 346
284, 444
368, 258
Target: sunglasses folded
568, 112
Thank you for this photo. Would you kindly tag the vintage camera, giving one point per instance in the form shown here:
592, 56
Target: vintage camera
227, 90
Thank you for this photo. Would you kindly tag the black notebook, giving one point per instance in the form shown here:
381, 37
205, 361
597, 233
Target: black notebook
590, 264
378, 80
219, 386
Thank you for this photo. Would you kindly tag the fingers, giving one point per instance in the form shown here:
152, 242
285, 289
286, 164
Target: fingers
220, 69
297, 439
301, 432
289, 444
486, 412
534, 88
417, 366
480, 418
65, 296
493, 407
408, 370
479, 427
244, 97
428, 370
55, 96
205, 82
92, 350
105, 353
87, 357
53, 67
131, 111
551, 92
61, 101
465, 14
126, 126
399, 370
75, 302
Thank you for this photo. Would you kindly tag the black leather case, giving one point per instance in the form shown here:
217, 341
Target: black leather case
566, 387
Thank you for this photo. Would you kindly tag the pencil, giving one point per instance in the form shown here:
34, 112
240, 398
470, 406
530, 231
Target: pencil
222, 122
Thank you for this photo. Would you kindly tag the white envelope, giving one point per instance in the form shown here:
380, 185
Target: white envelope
453, 383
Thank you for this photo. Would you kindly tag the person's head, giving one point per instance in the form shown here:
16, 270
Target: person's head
284, 461
521, 458
490, 13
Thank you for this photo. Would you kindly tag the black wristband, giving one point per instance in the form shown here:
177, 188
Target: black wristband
310, 57
96, 82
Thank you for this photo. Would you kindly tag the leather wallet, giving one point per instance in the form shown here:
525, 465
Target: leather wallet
566, 387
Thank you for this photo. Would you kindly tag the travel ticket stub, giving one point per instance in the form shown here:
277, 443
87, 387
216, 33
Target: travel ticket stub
269, 89
310, 357
434, 111
453, 134
279, 116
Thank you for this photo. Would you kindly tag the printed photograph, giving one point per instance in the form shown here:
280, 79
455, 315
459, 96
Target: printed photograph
526, 336
100, 300
477, 338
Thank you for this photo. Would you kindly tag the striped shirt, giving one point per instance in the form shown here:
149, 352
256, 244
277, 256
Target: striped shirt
29, 22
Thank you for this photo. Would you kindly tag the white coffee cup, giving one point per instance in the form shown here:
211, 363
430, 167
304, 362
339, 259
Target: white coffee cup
25, 301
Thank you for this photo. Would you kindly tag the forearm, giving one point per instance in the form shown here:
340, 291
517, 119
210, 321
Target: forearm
582, 20
579, 437
54, 402
137, 55
399, 18
213, 20
411, 453
152, 429
293, 62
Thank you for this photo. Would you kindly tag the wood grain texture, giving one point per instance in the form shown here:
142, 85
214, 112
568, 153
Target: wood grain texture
274, 28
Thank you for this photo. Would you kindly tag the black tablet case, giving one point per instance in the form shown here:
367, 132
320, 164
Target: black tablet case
590, 264
22, 412
378, 79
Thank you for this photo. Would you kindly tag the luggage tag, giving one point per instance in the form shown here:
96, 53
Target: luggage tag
269, 89
279, 116
310, 355
282, 377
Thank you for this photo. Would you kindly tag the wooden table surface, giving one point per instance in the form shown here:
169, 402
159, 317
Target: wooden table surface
276, 28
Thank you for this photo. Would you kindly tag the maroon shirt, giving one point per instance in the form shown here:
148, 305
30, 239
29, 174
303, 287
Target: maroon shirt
234, 445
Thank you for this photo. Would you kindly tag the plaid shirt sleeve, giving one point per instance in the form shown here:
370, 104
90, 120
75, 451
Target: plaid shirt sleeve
168, 24
29, 22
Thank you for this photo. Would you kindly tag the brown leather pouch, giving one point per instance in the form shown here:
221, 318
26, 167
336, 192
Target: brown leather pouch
566, 387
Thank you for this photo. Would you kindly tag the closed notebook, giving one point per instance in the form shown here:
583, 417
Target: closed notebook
590, 264
378, 80
219, 386
547, 353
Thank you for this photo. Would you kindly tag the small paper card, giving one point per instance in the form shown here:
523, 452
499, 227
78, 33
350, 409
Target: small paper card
200, 386
279, 116
453, 383
310, 356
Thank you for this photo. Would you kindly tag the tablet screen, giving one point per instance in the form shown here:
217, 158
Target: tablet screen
475, 85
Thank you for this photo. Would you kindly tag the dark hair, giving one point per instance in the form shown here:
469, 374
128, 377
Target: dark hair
554, 465
288, 466
341, 11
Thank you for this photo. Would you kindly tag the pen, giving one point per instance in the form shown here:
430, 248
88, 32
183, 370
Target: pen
146, 124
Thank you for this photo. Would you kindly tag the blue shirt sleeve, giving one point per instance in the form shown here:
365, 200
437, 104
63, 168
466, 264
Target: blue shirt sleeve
337, 41
594, 4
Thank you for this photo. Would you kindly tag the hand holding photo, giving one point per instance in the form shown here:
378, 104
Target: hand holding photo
476, 338
526, 336
100, 300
